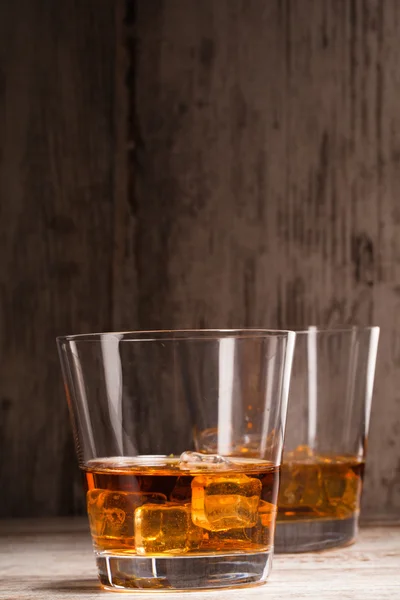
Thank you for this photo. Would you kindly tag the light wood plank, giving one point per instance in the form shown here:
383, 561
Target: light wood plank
42, 559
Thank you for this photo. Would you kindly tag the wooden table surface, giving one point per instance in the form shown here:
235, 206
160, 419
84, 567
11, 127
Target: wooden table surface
52, 559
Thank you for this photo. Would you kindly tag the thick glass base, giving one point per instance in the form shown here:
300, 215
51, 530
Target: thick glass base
183, 572
317, 534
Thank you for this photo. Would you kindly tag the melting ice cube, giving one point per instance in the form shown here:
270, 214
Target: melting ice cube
195, 460
111, 513
221, 503
165, 528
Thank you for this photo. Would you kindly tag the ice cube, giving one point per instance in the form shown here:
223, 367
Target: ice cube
93, 496
250, 539
343, 490
94, 503
301, 486
165, 528
189, 461
267, 512
221, 503
111, 513
259, 537
265, 528
231, 540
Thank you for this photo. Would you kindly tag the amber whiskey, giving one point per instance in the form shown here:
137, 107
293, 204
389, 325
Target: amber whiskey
149, 506
318, 486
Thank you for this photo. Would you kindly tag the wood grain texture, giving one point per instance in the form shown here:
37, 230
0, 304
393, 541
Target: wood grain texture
55, 560
176, 163
56, 189
267, 151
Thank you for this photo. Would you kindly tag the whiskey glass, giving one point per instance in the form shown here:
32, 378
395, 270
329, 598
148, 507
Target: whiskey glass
179, 436
326, 438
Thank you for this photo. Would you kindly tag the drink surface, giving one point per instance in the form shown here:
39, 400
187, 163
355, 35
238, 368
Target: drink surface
315, 486
151, 505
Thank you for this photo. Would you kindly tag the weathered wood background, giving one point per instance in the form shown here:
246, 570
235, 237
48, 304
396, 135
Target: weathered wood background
186, 163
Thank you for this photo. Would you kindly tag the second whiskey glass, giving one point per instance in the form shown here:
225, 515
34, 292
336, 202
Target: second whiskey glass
326, 437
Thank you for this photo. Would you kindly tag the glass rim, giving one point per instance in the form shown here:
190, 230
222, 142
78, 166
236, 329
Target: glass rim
156, 335
339, 329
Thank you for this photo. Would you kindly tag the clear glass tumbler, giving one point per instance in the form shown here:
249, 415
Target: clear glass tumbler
326, 438
179, 435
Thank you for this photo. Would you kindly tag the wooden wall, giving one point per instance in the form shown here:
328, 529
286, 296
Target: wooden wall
186, 163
